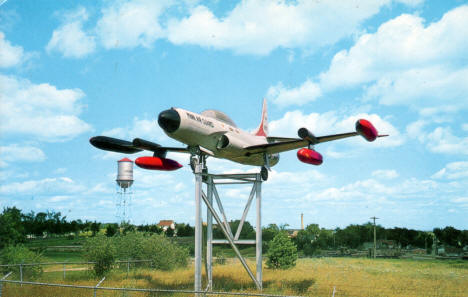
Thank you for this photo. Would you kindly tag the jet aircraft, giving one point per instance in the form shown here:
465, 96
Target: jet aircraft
213, 134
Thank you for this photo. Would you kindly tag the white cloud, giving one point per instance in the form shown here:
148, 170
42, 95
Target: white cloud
101, 188
416, 130
280, 178
260, 26
441, 140
251, 27
59, 198
58, 185
142, 128
307, 92
424, 88
10, 55
40, 110
127, 24
385, 174
21, 153
60, 170
454, 170
411, 2
363, 191
330, 123
70, 39
407, 63
151, 179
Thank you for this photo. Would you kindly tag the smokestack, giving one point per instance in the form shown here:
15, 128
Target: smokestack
302, 221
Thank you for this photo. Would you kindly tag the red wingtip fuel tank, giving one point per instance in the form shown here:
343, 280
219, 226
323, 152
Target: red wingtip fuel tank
155, 163
309, 156
366, 130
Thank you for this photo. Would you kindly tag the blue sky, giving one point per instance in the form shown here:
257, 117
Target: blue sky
71, 70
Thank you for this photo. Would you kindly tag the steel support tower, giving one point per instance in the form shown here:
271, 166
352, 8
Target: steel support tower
212, 180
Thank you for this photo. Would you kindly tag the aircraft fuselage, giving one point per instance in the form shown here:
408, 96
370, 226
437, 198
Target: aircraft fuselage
216, 137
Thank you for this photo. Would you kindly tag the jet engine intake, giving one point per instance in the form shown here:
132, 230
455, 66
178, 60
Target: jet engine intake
156, 163
366, 130
230, 143
309, 156
223, 142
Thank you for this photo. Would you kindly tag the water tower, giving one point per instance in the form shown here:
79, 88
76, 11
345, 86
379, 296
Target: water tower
124, 182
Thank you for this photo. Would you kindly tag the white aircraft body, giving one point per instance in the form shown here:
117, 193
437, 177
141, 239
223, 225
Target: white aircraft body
213, 133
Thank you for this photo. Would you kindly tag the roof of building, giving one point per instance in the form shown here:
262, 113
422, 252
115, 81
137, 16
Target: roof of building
165, 222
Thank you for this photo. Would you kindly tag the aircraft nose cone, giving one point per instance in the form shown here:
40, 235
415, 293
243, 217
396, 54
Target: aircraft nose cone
169, 120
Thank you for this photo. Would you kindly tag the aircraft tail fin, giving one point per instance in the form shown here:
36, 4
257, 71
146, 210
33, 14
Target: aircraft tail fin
262, 129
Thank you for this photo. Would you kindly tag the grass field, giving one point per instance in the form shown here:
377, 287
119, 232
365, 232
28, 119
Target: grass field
312, 277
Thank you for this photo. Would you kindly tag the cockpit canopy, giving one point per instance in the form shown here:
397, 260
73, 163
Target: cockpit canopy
218, 115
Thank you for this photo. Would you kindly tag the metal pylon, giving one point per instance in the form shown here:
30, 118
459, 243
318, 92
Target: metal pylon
211, 180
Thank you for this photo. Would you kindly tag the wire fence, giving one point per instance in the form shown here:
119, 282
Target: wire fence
95, 289
98, 291
20, 267
30, 288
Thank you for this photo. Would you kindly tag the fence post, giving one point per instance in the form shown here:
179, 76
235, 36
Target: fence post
1, 283
98, 284
128, 266
64, 270
21, 273
334, 290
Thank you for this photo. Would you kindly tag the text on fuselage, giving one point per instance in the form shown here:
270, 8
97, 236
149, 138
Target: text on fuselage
199, 119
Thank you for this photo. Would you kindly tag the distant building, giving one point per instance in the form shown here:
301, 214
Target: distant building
165, 224
292, 233
381, 244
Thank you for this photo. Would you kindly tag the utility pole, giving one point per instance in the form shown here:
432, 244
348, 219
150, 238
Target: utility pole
375, 237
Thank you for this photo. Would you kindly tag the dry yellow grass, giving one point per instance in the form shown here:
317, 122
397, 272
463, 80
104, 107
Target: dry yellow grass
312, 277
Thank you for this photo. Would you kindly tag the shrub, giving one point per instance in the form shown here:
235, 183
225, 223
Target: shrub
20, 254
112, 229
102, 251
282, 253
165, 254
130, 246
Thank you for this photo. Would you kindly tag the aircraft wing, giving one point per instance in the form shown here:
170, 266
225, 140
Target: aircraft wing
137, 145
277, 147
284, 144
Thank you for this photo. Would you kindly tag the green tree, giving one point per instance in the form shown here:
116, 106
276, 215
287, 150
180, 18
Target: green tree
112, 229
185, 230
165, 254
11, 227
169, 232
18, 254
247, 232
95, 227
269, 232
282, 252
451, 236
127, 227
101, 250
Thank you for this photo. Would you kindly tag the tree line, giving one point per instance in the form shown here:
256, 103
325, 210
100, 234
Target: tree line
313, 238
15, 226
